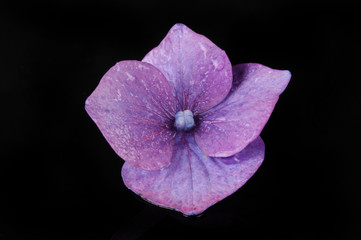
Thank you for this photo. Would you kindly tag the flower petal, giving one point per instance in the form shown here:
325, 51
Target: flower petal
133, 105
193, 181
227, 128
200, 73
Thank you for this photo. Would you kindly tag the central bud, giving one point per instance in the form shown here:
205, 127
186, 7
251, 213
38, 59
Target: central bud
184, 120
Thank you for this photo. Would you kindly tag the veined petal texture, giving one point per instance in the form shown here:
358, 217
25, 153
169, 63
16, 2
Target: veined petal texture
199, 72
133, 107
193, 181
230, 126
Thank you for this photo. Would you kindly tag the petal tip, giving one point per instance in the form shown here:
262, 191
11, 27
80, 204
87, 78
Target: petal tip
87, 102
286, 79
179, 26
288, 75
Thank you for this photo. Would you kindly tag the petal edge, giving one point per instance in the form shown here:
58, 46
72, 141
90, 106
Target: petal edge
192, 185
199, 72
132, 118
230, 126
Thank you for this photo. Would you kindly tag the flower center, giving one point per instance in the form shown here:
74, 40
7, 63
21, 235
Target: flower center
184, 120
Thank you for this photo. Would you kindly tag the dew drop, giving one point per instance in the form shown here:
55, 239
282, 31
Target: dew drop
218, 63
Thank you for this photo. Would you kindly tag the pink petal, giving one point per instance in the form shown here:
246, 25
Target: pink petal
133, 106
200, 73
193, 181
239, 119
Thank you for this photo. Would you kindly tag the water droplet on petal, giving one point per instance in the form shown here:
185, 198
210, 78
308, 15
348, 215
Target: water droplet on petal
218, 63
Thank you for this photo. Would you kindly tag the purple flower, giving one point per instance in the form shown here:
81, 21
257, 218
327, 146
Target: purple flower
185, 121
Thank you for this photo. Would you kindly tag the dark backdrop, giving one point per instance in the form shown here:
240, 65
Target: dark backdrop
59, 178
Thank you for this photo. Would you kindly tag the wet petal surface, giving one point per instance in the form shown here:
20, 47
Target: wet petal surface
199, 72
193, 181
229, 127
133, 107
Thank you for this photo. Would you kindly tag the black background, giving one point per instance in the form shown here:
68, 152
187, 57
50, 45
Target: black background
59, 178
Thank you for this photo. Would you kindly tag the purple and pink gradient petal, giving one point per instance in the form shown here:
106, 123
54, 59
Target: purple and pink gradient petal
199, 72
194, 181
133, 106
230, 126
187, 168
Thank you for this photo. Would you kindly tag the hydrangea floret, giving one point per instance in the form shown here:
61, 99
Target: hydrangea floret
186, 123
